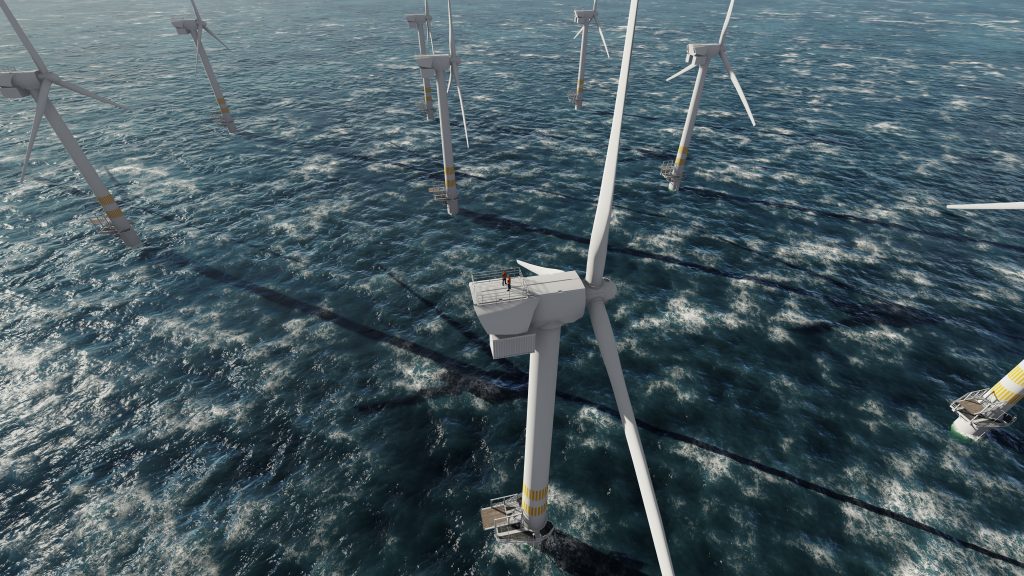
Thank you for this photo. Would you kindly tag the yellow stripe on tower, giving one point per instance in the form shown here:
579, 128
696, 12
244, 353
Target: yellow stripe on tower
221, 101
115, 213
106, 200
1017, 375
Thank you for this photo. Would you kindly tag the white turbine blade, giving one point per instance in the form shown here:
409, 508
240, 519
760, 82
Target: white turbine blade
601, 32
992, 206
42, 99
197, 37
578, 33
736, 84
207, 28
430, 34
602, 216
610, 355
451, 32
76, 88
681, 72
538, 270
196, 9
462, 108
23, 37
725, 27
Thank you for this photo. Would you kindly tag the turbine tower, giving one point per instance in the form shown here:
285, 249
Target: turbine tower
421, 22
584, 19
982, 410
699, 56
37, 85
525, 316
196, 28
434, 67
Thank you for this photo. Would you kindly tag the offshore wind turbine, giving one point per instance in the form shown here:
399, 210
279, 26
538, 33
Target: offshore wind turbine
421, 22
196, 28
699, 56
37, 85
525, 316
584, 19
982, 410
434, 67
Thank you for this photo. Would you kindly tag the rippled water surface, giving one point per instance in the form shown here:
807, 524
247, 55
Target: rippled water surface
290, 378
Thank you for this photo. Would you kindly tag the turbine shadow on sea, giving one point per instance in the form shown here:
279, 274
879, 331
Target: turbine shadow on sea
879, 312
492, 386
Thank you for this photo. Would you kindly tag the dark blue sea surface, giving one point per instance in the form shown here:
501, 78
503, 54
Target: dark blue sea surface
290, 378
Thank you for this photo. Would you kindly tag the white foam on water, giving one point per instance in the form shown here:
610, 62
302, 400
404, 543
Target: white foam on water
319, 165
886, 128
99, 521
671, 384
1008, 160
823, 148
730, 173
824, 554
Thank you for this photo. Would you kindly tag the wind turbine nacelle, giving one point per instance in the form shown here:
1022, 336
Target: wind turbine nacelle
185, 26
583, 17
540, 302
19, 84
706, 50
563, 299
436, 62
417, 20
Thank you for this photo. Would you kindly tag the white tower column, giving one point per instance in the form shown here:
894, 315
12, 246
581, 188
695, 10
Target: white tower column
428, 98
121, 224
540, 416
691, 118
221, 102
578, 101
447, 155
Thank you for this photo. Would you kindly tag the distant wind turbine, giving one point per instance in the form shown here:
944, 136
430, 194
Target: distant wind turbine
584, 18
37, 85
421, 22
434, 67
525, 316
699, 56
195, 28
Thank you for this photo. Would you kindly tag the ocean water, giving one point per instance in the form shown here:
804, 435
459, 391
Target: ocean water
290, 378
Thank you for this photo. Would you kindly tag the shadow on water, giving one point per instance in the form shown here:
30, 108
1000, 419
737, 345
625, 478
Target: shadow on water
882, 312
850, 217
581, 559
491, 386
1008, 439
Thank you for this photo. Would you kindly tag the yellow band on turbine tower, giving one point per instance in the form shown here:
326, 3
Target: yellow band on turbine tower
535, 501
1010, 388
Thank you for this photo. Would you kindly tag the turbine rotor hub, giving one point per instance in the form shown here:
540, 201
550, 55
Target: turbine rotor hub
20, 84
603, 292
